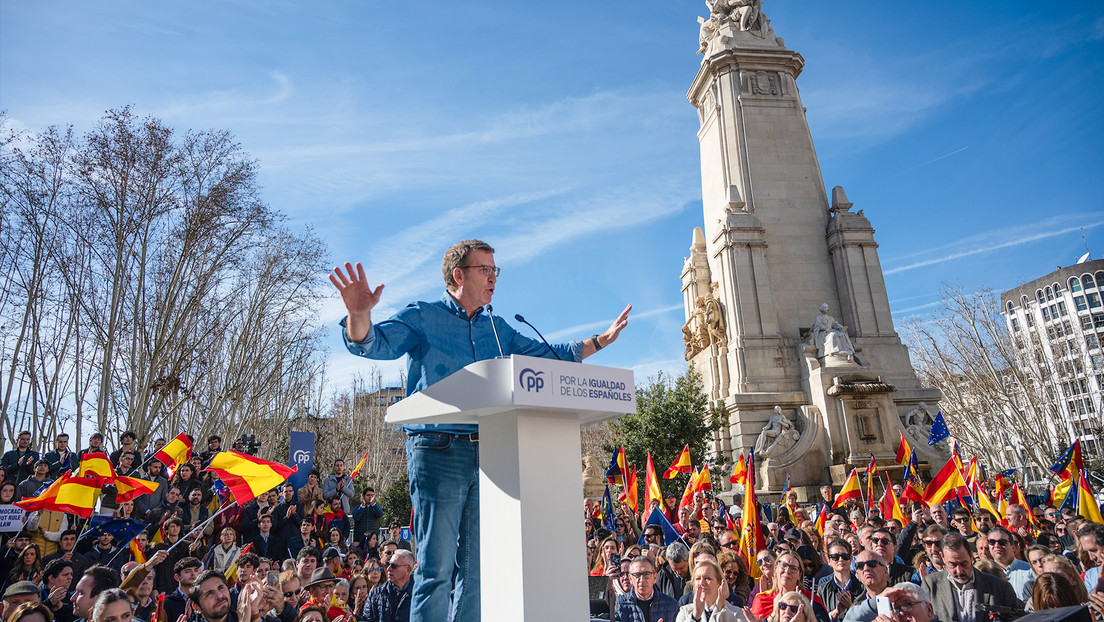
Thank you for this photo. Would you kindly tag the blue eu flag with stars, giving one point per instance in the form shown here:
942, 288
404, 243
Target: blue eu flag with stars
939, 429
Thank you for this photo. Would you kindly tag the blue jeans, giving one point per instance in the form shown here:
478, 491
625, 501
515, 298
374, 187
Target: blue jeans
444, 489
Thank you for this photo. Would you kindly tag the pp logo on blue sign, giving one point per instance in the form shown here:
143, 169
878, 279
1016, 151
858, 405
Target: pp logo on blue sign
531, 380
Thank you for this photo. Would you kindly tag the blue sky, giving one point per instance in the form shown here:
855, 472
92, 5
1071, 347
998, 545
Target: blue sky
970, 133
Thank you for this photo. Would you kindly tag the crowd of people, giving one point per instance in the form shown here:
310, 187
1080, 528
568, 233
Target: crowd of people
308, 554
958, 564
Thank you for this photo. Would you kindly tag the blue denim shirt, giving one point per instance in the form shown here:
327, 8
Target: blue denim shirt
439, 339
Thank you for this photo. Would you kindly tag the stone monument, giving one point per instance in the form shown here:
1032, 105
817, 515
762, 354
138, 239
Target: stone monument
813, 393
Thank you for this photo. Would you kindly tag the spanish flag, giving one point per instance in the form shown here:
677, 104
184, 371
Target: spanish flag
904, 451
651, 486
359, 466
739, 472
1019, 499
248, 476
176, 452
129, 488
680, 465
618, 468
751, 534
985, 503
137, 553
851, 489
891, 507
631, 495
688, 492
944, 486
703, 482
1086, 502
96, 464
69, 494
822, 518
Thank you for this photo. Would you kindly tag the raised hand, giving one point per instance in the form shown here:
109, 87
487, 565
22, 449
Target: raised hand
615, 329
359, 298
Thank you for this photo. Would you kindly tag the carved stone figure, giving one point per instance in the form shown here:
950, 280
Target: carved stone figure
778, 436
688, 339
594, 480
714, 318
830, 337
745, 15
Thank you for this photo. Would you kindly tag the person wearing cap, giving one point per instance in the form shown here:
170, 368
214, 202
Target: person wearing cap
331, 559
18, 593
390, 602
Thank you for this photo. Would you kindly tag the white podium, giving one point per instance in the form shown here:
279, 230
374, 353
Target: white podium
532, 545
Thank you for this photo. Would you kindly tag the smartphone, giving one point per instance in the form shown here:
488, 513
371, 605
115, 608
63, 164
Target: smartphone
273, 578
615, 560
884, 607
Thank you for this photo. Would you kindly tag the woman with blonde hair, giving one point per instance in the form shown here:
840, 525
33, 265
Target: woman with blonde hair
792, 607
1059, 564
606, 550
709, 596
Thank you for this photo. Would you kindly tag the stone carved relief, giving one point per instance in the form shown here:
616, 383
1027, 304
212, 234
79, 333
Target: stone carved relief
594, 480
706, 325
763, 83
778, 436
745, 15
830, 337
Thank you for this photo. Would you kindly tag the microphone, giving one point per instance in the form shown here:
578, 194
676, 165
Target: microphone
517, 316
501, 354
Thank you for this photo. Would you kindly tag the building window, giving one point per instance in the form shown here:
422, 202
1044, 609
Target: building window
1087, 281
1040, 297
1015, 325
1092, 342
1074, 284
1099, 277
1062, 308
1094, 300
1049, 293
1079, 302
1046, 314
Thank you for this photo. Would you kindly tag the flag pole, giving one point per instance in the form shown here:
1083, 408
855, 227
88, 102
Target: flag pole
203, 524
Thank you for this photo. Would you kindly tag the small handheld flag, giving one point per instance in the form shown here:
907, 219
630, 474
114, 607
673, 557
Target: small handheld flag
939, 430
651, 485
359, 466
739, 472
851, 489
680, 465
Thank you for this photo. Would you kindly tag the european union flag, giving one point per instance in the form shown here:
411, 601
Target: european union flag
939, 429
122, 529
608, 521
1066, 458
658, 518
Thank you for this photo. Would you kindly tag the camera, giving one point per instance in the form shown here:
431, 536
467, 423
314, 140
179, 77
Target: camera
997, 612
247, 444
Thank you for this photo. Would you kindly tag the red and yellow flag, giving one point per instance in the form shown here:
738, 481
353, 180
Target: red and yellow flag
985, 503
903, 451
136, 552
129, 488
70, 494
944, 486
1086, 501
821, 519
248, 476
359, 466
1019, 499
176, 452
751, 534
96, 464
739, 472
651, 486
703, 482
891, 507
680, 465
631, 494
688, 492
851, 489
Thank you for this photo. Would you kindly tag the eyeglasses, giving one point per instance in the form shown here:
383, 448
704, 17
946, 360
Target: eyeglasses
485, 270
791, 567
881, 541
902, 607
932, 542
290, 594
763, 561
653, 535
642, 575
375, 568
786, 607
731, 544
870, 563
838, 557
393, 565
998, 542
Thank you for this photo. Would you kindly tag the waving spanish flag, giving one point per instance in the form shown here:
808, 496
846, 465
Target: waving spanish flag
248, 476
688, 492
680, 465
651, 486
97, 464
130, 488
359, 466
891, 507
176, 452
618, 468
751, 534
739, 472
1086, 501
702, 482
944, 486
631, 494
138, 554
70, 494
904, 451
851, 489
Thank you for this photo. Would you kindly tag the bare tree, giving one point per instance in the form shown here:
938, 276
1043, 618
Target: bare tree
1000, 397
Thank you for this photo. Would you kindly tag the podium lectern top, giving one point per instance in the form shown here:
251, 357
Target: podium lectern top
500, 385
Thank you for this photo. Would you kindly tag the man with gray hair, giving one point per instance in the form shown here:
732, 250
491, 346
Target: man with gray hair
390, 602
673, 576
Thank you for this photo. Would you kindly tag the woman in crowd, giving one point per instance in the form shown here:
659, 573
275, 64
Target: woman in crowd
125, 510
765, 560
185, 479
27, 566
373, 572
709, 596
606, 550
226, 551
314, 613
337, 540
736, 576
792, 607
1052, 590
31, 612
112, 605
1059, 564
371, 548
358, 595
787, 578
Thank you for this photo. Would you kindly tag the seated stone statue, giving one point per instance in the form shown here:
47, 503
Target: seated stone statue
778, 436
830, 337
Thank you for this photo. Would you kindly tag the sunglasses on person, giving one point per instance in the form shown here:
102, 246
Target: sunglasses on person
839, 557
998, 542
870, 563
789, 607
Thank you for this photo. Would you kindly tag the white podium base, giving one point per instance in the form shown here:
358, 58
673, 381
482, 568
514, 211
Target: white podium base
532, 543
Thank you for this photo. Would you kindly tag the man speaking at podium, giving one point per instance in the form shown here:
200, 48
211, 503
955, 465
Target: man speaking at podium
443, 460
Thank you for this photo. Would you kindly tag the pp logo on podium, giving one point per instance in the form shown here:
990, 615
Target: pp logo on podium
531, 380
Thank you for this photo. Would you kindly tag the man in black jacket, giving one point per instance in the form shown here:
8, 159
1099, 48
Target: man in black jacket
18, 463
959, 591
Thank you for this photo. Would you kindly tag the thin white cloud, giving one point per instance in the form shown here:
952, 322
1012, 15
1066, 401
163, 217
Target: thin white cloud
934, 160
634, 315
277, 90
918, 307
995, 240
